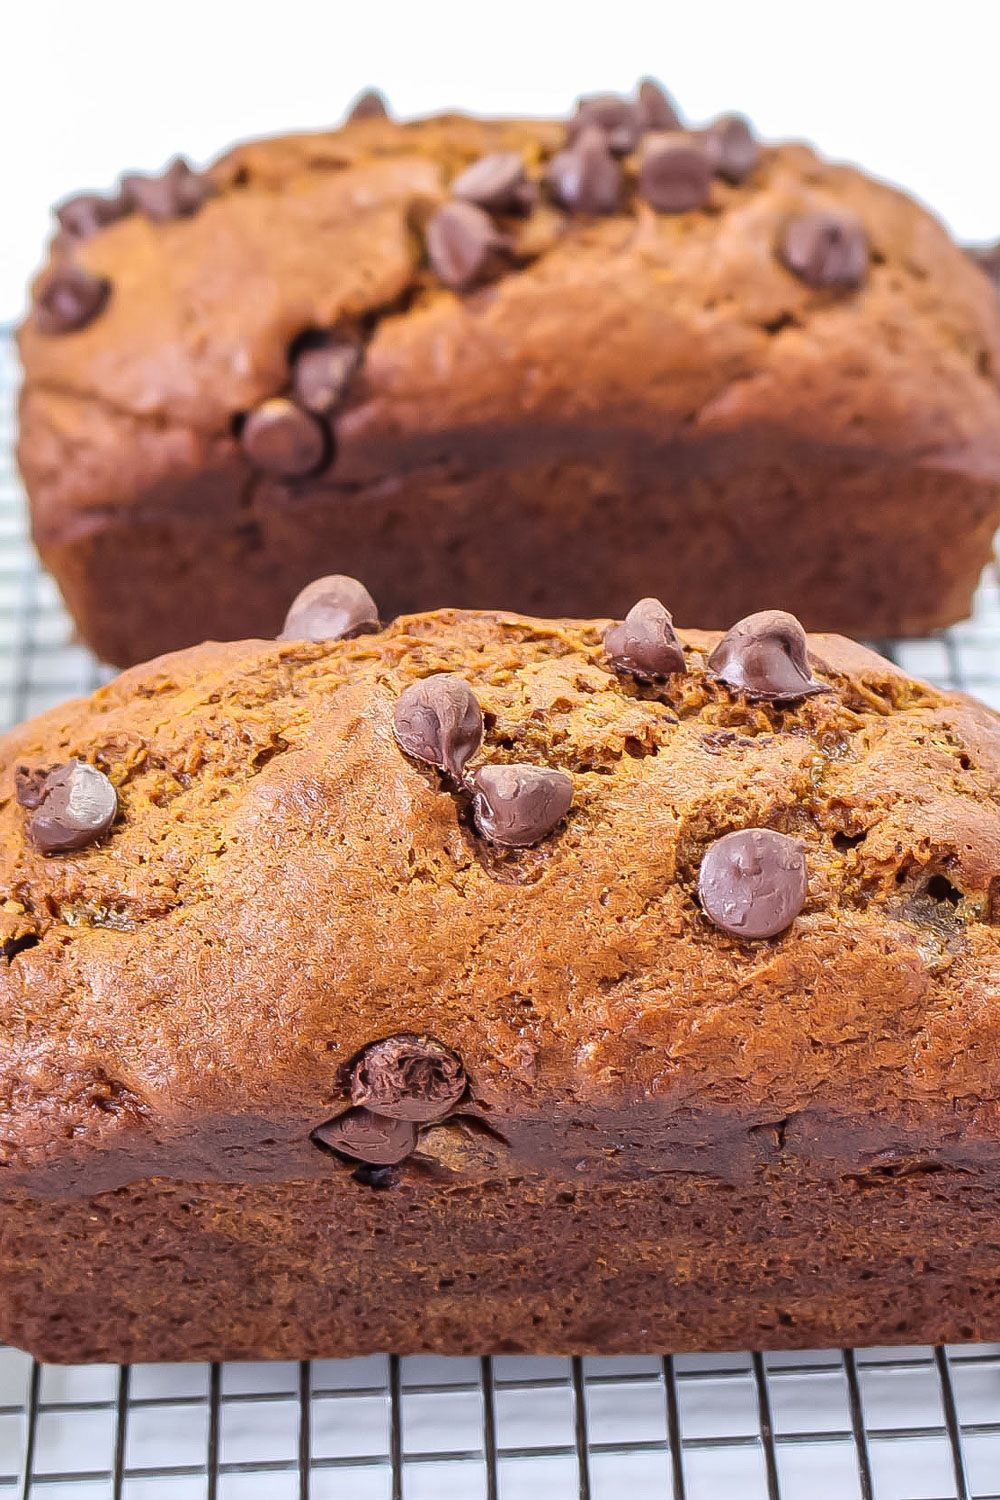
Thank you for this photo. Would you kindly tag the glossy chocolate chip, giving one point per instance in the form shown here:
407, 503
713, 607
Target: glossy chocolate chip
675, 174
497, 182
364, 1136
586, 178
74, 805
516, 806
464, 246
371, 105
68, 298
618, 120
438, 720
280, 438
732, 148
645, 644
825, 250
764, 657
753, 883
657, 110
408, 1077
84, 215
321, 375
175, 194
336, 608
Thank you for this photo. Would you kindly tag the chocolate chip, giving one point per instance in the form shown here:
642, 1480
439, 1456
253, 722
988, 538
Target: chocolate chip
321, 375
497, 182
586, 178
84, 215
764, 657
380, 1178
518, 805
618, 120
645, 644
76, 806
282, 439
825, 250
371, 105
438, 720
732, 148
753, 883
464, 246
29, 786
408, 1077
674, 173
336, 608
175, 194
364, 1136
656, 108
69, 298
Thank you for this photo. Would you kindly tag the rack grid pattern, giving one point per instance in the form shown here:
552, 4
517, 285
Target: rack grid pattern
878, 1424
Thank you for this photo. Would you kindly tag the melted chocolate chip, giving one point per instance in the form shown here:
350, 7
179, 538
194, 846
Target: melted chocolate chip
656, 108
438, 720
464, 246
825, 250
84, 215
74, 805
753, 883
175, 194
645, 644
764, 657
497, 182
408, 1077
516, 806
336, 608
618, 120
675, 174
69, 298
321, 375
371, 105
732, 148
586, 178
363, 1136
280, 438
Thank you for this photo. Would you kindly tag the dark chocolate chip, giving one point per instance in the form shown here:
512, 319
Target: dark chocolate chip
84, 215
464, 246
586, 178
764, 657
380, 1178
645, 644
987, 258
76, 806
29, 785
497, 182
280, 438
364, 1136
438, 720
753, 883
618, 120
321, 375
825, 250
656, 108
371, 105
675, 174
732, 148
408, 1077
69, 298
336, 608
518, 805
175, 194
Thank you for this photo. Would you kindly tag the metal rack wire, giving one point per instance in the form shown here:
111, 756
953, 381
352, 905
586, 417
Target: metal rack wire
878, 1424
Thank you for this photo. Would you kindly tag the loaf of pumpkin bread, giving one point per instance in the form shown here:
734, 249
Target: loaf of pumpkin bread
490, 983
521, 364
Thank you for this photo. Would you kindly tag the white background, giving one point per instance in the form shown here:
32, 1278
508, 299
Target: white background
88, 88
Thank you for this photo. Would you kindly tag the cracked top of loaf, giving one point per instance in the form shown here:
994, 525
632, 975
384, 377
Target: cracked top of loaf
283, 885
672, 324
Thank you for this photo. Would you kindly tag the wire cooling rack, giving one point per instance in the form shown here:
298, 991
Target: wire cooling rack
876, 1424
